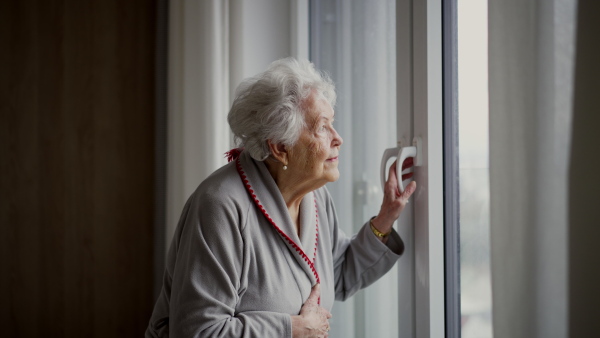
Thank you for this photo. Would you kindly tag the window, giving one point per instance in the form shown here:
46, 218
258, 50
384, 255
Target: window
473, 154
354, 41
407, 69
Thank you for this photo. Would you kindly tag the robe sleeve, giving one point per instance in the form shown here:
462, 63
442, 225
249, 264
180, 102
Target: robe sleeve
361, 260
207, 277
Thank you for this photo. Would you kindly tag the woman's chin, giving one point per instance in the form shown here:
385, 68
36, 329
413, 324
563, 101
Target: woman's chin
333, 175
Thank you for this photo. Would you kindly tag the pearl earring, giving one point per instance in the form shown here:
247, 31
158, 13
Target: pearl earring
285, 167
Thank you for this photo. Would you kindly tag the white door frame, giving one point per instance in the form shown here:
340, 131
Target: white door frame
420, 104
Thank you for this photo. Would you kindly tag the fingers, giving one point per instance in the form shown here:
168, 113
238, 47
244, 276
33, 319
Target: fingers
392, 182
323, 312
325, 315
314, 316
407, 176
408, 162
410, 189
315, 293
325, 329
392, 179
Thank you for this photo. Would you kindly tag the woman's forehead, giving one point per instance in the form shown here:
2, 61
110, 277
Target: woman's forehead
317, 107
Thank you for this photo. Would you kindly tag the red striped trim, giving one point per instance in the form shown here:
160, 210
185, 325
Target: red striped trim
292, 243
316, 228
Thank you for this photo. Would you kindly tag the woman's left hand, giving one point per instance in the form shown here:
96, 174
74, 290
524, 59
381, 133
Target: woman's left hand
394, 201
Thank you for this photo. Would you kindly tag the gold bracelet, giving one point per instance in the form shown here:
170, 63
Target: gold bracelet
377, 232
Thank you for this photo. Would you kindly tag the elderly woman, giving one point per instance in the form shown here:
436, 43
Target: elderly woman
258, 251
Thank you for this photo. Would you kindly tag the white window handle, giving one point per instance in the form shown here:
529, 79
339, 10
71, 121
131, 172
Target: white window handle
401, 153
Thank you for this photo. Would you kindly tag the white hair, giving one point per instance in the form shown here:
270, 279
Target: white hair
269, 105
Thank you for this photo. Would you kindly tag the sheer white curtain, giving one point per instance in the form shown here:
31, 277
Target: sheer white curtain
198, 95
354, 41
213, 45
531, 58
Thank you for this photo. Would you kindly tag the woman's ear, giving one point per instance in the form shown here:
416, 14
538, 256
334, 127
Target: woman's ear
278, 151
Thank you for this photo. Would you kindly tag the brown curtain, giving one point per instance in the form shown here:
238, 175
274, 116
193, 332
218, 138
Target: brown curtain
584, 189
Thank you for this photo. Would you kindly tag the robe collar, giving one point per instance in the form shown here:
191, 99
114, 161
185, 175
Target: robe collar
267, 197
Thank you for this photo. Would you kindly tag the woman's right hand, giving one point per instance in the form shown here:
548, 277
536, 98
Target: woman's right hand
313, 320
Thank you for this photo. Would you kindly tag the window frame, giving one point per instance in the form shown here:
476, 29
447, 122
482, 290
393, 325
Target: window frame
451, 169
420, 101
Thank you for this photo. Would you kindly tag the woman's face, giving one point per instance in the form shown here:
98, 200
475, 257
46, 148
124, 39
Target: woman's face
314, 158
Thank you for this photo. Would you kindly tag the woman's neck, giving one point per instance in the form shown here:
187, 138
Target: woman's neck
291, 190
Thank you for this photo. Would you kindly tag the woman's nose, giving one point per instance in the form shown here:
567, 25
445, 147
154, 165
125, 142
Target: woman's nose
337, 139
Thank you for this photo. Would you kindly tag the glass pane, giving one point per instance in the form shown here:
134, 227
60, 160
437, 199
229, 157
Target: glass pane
355, 42
476, 300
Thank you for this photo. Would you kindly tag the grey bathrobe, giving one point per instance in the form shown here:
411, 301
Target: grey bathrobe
237, 268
